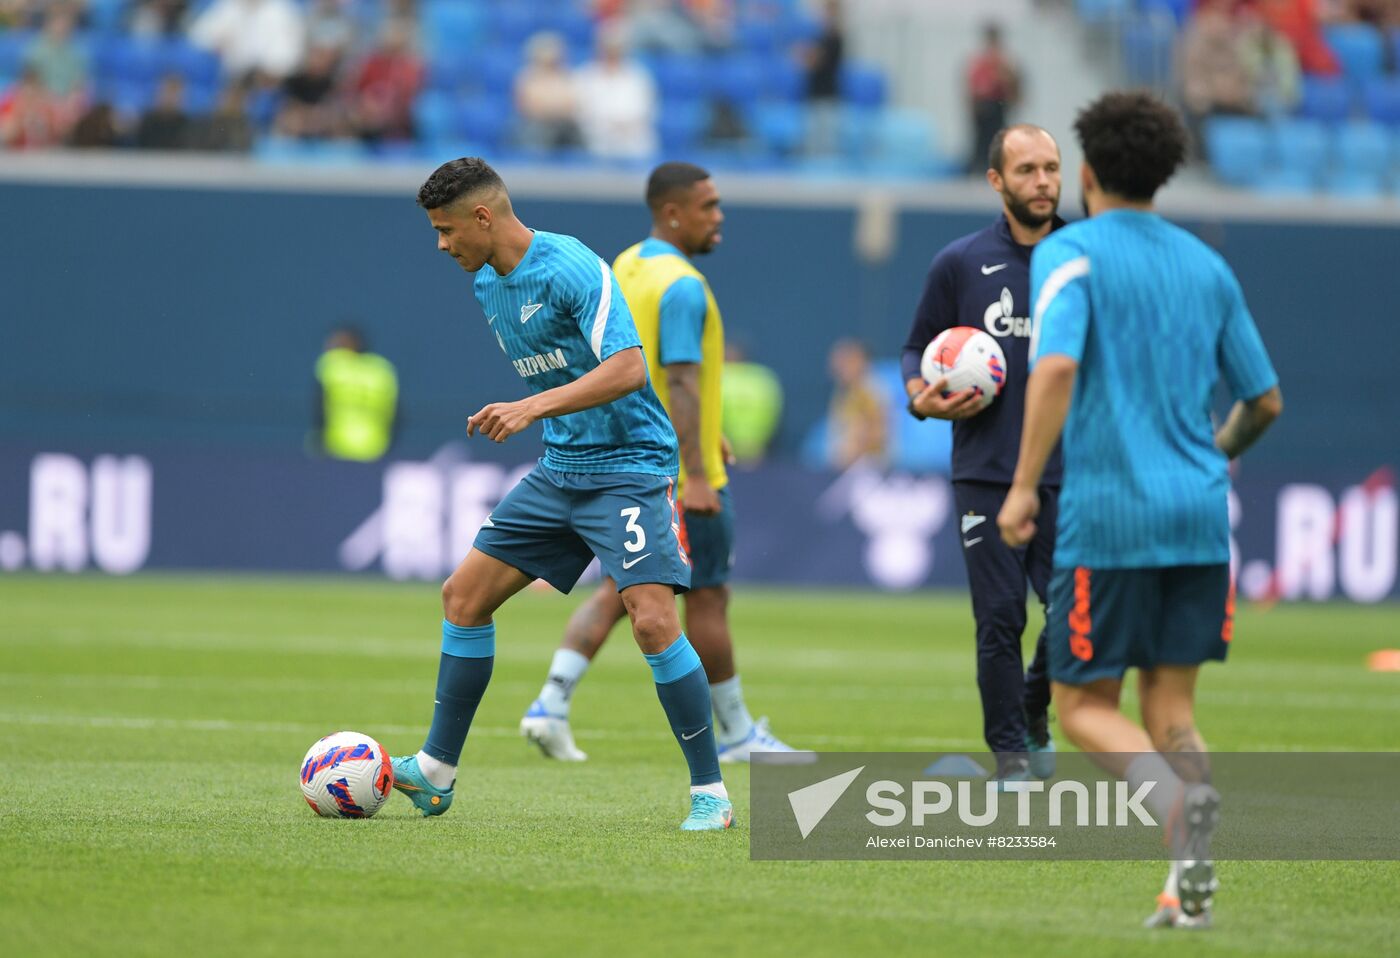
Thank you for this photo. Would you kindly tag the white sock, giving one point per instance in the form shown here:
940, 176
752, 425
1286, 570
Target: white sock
1170, 888
564, 674
732, 719
439, 773
716, 789
1152, 767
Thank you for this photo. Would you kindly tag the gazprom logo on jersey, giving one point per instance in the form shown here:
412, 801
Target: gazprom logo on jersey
540, 363
1000, 318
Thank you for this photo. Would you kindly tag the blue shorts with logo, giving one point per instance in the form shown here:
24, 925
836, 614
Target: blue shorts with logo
709, 541
552, 524
1102, 622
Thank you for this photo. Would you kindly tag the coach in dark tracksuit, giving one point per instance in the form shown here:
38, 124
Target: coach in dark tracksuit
983, 280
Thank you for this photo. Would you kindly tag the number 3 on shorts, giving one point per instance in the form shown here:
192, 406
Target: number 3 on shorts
639, 535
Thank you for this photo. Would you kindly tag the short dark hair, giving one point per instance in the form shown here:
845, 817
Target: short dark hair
1133, 141
996, 152
456, 179
667, 178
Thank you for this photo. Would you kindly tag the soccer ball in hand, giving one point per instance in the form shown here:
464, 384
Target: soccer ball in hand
969, 358
346, 775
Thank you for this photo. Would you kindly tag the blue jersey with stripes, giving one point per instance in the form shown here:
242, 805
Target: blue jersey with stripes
557, 315
1155, 319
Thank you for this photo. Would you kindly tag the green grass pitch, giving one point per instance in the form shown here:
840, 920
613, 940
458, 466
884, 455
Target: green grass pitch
152, 729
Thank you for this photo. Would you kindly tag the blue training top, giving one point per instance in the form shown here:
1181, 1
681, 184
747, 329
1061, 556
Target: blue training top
1155, 318
983, 280
557, 316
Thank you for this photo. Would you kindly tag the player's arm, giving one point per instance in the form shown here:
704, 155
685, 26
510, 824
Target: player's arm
1248, 420
683, 311
1247, 371
621, 373
1059, 328
932, 316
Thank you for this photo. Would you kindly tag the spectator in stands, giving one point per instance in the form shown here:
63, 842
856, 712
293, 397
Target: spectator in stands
858, 420
61, 64
28, 119
660, 26
752, 405
823, 60
228, 129
546, 100
166, 125
264, 37
158, 18
617, 102
1215, 76
385, 85
97, 128
311, 104
1275, 78
993, 87
1301, 22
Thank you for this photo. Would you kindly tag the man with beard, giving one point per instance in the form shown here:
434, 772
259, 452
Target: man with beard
983, 280
683, 338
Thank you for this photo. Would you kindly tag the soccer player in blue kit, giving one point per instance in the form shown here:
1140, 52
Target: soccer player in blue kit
983, 280
1135, 322
605, 487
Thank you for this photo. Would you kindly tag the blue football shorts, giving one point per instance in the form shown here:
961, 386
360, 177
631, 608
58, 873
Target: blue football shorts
709, 541
552, 524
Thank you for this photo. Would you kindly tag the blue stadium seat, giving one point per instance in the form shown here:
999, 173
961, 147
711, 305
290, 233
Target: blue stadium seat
680, 78
1325, 99
435, 116
1360, 49
681, 124
12, 47
1354, 186
201, 98
1302, 146
798, 28
577, 28
1238, 148
863, 85
196, 65
1382, 99
903, 144
496, 69
1148, 45
105, 16
1178, 10
737, 78
1285, 183
856, 132
783, 79
780, 126
131, 59
450, 73
452, 27
484, 119
1362, 149
513, 23
758, 37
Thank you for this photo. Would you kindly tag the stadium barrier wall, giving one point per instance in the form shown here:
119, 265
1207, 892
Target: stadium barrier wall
1328, 534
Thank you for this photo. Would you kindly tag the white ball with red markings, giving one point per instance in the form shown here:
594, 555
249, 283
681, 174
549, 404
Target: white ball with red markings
970, 359
346, 775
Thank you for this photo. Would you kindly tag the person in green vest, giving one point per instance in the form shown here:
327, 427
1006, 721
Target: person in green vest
752, 405
357, 399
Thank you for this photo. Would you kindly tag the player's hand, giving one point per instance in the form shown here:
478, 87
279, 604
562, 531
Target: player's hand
699, 498
726, 450
960, 405
1017, 517
501, 420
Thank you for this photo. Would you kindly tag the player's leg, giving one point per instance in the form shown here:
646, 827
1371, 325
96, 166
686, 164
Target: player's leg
1039, 564
470, 596
709, 542
996, 578
546, 722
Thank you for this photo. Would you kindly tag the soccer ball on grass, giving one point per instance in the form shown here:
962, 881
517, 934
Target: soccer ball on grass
346, 775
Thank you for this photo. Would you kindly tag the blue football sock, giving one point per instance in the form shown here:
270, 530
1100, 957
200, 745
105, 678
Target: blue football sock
468, 654
685, 695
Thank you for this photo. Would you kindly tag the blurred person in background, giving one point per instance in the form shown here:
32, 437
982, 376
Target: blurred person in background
312, 107
1215, 77
1276, 79
993, 87
61, 63
166, 125
753, 405
822, 61
262, 37
385, 84
858, 420
983, 280
355, 416
98, 128
617, 102
228, 129
1301, 22
546, 97
28, 119
158, 18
